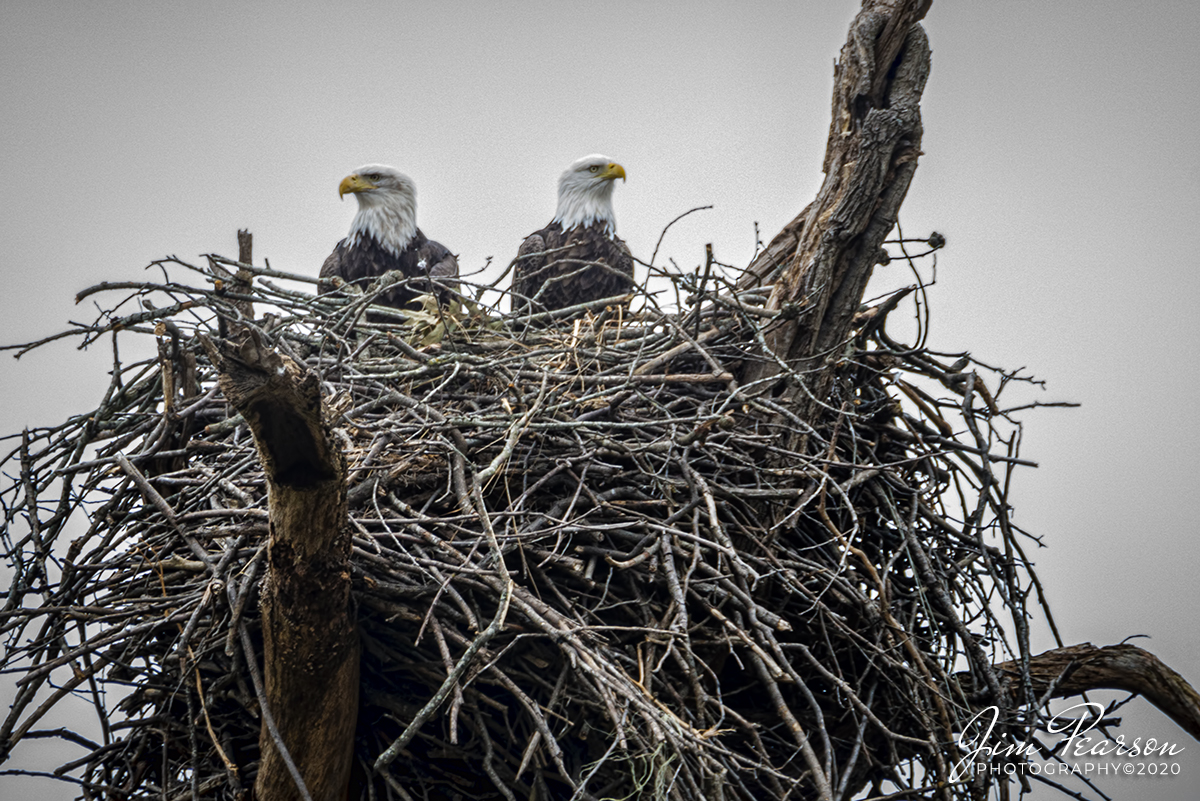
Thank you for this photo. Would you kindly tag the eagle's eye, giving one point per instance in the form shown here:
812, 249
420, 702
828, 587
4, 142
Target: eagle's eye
373, 176
594, 168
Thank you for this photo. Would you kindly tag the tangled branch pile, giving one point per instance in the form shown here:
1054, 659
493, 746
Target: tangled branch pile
695, 612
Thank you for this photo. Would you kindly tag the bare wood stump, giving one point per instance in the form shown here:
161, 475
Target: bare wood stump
310, 639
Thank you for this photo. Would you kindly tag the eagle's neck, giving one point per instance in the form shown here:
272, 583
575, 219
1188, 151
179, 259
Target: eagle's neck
585, 205
391, 221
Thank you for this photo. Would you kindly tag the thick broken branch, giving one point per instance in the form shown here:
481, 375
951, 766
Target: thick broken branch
310, 640
820, 263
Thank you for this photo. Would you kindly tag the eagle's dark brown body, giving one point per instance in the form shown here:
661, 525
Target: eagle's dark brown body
366, 260
557, 268
384, 237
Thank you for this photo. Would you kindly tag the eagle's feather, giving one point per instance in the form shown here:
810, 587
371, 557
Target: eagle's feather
578, 257
384, 236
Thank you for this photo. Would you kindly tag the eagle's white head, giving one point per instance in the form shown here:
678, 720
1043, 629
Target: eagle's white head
585, 193
387, 206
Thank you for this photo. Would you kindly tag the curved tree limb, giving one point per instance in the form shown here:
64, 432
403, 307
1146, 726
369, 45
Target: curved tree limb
1081, 668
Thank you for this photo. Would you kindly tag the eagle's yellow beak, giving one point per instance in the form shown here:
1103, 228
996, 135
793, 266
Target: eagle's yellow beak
613, 171
356, 183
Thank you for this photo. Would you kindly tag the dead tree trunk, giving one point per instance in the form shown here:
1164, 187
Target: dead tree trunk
819, 263
310, 640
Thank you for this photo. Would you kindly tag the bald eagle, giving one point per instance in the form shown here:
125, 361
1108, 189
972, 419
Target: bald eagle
577, 257
384, 236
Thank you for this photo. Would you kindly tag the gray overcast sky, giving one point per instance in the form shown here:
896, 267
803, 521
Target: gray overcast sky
1061, 161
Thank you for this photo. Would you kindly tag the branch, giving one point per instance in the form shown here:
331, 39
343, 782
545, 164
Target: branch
310, 638
821, 261
1078, 669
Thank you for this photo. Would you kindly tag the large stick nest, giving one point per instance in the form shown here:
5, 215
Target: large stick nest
697, 613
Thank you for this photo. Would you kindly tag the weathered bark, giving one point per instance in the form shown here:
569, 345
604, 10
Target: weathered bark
821, 261
311, 648
1077, 669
